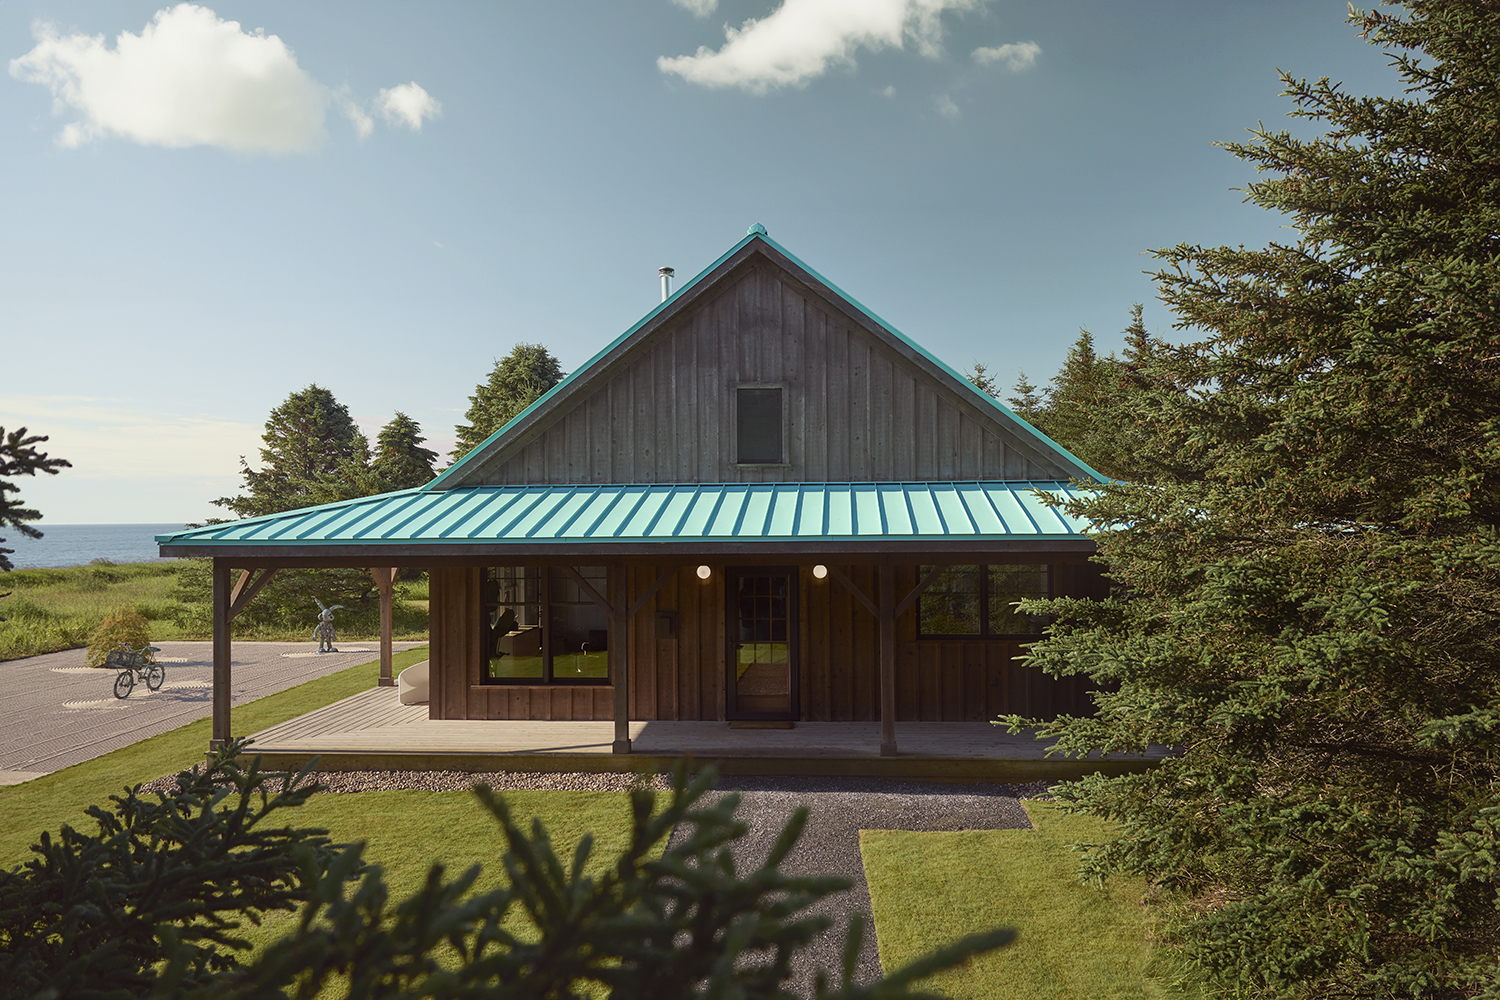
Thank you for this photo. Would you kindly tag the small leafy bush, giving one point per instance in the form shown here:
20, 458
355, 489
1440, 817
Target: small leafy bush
124, 625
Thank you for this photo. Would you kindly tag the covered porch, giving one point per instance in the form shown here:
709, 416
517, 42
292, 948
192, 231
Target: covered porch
374, 731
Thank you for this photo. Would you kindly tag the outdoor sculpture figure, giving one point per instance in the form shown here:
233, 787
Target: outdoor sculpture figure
324, 632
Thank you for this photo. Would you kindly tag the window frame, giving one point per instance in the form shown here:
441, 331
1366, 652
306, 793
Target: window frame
984, 634
780, 387
545, 604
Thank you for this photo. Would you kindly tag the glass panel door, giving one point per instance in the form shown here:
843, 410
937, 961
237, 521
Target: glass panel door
762, 631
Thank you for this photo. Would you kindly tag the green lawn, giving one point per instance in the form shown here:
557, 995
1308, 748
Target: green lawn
405, 832
48, 802
1076, 942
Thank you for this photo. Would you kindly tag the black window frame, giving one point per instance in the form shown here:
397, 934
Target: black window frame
781, 395
1040, 621
545, 603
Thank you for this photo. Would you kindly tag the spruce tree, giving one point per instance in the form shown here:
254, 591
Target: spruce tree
19, 457
400, 460
517, 380
1309, 591
308, 438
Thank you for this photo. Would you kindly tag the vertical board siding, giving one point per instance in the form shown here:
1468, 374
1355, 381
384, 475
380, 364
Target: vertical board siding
682, 677
856, 409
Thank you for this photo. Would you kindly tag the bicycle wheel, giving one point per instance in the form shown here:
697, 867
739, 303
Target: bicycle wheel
124, 683
155, 674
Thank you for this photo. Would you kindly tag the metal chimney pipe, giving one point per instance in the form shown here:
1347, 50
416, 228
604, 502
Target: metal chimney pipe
666, 281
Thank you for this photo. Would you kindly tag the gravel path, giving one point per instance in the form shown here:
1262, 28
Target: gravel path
837, 810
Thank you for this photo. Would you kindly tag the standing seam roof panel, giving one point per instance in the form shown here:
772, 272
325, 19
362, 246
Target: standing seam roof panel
400, 517
955, 516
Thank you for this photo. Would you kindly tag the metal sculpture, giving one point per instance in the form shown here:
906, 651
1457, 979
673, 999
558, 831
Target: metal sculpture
324, 632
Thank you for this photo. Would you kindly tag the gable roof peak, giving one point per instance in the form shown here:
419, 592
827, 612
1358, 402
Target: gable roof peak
757, 230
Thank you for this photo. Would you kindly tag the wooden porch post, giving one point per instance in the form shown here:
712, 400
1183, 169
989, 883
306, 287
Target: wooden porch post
887, 660
222, 620
619, 645
385, 582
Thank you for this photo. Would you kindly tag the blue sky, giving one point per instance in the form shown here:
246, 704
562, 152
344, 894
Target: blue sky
203, 209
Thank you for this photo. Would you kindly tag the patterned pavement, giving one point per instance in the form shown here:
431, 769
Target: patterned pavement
55, 711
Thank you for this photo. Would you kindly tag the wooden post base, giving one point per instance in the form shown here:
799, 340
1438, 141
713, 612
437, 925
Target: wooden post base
887, 749
387, 682
620, 746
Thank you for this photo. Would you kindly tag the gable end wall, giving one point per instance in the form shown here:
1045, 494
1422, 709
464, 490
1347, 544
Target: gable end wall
858, 411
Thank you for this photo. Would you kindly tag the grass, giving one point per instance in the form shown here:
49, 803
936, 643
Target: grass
53, 609
406, 832
1076, 942
46, 803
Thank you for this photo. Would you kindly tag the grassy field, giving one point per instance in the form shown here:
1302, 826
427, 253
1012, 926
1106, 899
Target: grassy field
1077, 942
52, 609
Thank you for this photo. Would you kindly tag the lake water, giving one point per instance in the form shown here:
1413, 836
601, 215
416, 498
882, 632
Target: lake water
81, 544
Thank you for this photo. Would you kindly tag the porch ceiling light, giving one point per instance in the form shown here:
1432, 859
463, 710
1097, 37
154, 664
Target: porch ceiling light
704, 572
820, 572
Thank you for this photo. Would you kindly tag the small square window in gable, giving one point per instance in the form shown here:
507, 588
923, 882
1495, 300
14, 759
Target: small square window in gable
760, 432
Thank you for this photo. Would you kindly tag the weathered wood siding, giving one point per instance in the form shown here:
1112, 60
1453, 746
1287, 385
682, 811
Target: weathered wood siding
857, 411
682, 677
456, 664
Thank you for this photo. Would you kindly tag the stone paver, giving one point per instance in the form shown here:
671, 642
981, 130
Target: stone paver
55, 711
838, 808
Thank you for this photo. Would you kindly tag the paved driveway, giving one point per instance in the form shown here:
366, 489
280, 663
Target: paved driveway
55, 711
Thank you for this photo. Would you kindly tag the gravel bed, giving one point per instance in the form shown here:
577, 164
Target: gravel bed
611, 781
463, 781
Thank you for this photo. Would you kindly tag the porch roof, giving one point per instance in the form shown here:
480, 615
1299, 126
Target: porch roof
647, 519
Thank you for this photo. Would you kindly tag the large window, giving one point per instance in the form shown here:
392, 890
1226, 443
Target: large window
979, 602
541, 628
759, 439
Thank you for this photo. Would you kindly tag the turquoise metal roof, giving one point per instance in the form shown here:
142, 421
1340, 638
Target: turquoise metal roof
756, 232
812, 513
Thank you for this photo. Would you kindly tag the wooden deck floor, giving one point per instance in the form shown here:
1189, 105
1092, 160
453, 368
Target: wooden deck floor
373, 730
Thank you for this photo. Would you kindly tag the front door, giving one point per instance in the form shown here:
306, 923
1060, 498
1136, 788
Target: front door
762, 632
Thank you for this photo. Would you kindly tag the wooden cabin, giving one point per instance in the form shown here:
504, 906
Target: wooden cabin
761, 504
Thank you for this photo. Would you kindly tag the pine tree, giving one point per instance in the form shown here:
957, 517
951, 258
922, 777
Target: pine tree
1309, 591
19, 457
979, 376
309, 438
400, 460
1027, 403
517, 380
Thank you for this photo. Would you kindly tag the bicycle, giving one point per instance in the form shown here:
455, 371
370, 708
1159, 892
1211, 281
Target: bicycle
135, 664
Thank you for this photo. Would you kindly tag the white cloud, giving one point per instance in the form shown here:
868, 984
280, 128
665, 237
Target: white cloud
363, 124
191, 78
699, 8
946, 107
1017, 56
888, 91
407, 105
802, 39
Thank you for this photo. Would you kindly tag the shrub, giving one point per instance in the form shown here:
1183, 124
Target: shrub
123, 625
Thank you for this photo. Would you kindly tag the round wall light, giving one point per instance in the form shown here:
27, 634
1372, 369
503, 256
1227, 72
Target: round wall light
704, 572
820, 572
